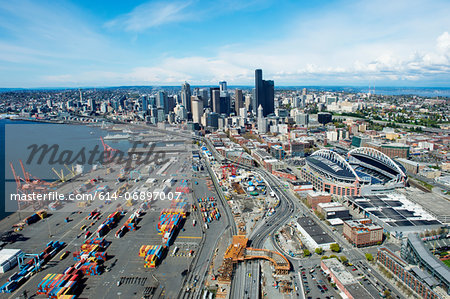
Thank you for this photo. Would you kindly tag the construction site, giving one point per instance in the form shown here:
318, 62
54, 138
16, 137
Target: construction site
249, 199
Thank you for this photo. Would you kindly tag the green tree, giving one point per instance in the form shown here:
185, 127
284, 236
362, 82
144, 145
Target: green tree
335, 247
306, 252
369, 257
324, 257
318, 250
343, 259
333, 256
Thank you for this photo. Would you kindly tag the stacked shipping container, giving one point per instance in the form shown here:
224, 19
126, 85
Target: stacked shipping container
59, 285
152, 254
33, 265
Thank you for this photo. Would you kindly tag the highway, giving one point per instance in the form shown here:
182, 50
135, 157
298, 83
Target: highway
289, 204
250, 286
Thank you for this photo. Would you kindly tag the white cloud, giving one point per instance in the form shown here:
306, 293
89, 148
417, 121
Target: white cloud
151, 14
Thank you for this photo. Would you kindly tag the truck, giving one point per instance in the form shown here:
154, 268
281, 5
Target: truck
175, 250
206, 225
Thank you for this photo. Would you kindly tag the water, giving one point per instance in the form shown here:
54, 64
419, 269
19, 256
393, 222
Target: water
17, 136
381, 90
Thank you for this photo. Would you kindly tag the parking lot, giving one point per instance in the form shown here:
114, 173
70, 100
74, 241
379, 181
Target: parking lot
315, 284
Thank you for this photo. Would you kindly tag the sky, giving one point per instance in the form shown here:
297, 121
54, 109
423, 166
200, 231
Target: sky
296, 43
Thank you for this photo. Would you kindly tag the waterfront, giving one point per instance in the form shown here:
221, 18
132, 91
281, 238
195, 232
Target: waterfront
17, 136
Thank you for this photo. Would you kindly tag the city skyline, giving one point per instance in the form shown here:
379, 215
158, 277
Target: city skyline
330, 43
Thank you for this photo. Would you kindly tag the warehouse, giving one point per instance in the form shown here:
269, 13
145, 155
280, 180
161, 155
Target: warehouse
8, 259
313, 234
332, 210
394, 213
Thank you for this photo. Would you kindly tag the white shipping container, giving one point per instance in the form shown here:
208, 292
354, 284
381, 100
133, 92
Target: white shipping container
8, 259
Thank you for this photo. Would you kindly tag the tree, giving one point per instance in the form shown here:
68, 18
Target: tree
369, 257
318, 250
333, 256
387, 293
343, 259
324, 257
335, 247
306, 252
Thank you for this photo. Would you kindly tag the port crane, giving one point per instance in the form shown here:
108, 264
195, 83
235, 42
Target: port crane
29, 184
108, 150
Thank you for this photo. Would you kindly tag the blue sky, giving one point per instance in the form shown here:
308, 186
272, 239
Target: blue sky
109, 43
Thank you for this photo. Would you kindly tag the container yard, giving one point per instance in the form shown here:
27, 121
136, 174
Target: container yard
208, 208
152, 254
170, 221
29, 264
61, 286
101, 234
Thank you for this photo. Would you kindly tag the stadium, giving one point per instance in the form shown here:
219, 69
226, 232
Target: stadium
364, 171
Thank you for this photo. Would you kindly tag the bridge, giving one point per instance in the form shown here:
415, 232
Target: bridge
239, 252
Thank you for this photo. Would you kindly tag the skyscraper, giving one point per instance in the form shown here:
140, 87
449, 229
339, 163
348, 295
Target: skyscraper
186, 96
197, 109
225, 103
223, 86
161, 102
92, 105
264, 93
238, 102
215, 99
269, 96
203, 93
259, 97
144, 103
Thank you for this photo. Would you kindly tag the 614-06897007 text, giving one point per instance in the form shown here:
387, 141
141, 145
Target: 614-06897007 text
56, 196
155, 195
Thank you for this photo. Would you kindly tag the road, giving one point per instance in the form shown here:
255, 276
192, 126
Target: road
250, 288
199, 269
289, 204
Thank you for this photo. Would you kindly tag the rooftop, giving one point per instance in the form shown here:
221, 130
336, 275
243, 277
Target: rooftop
314, 230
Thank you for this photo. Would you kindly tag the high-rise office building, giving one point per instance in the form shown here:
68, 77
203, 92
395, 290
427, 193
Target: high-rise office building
144, 103
215, 99
171, 102
223, 86
203, 94
259, 93
248, 102
225, 103
92, 105
197, 109
264, 93
161, 101
238, 102
269, 96
186, 96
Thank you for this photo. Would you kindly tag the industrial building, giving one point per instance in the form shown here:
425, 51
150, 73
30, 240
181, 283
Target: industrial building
314, 198
364, 171
314, 235
413, 277
333, 210
362, 232
300, 186
392, 150
344, 280
396, 214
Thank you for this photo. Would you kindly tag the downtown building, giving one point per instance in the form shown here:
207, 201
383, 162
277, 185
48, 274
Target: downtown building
264, 94
362, 232
412, 276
